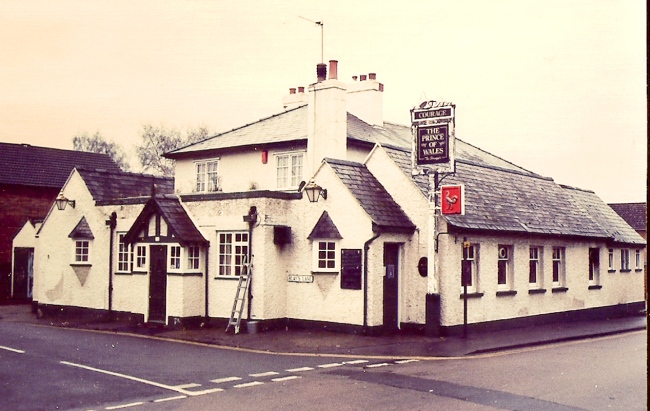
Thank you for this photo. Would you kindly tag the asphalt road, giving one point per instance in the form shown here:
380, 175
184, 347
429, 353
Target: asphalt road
45, 368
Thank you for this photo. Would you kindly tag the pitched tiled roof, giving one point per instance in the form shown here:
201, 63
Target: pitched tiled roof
23, 164
110, 186
82, 230
324, 228
511, 200
291, 125
177, 219
635, 214
385, 213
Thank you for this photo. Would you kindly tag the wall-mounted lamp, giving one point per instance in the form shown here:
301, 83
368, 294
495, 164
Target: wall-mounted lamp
314, 191
61, 202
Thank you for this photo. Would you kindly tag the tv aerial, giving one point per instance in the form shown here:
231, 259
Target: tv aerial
318, 23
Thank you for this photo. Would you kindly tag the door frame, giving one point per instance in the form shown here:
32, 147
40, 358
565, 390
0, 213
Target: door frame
157, 314
392, 253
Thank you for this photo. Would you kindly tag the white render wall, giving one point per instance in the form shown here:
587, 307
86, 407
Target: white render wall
617, 288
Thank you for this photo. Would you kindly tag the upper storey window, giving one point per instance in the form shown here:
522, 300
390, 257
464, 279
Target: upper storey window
289, 168
207, 179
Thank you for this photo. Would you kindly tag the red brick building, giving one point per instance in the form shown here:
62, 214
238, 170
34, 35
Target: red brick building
31, 179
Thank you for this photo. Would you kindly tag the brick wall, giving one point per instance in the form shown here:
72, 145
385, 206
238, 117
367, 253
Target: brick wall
17, 205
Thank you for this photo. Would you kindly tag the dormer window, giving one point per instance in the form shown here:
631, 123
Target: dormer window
207, 179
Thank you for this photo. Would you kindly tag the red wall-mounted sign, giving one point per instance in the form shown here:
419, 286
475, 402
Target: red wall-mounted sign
452, 199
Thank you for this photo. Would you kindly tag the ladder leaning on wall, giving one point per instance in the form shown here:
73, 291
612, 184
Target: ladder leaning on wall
240, 294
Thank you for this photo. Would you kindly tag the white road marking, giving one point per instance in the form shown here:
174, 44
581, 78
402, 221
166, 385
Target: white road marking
300, 369
248, 384
383, 364
142, 380
12, 349
291, 377
336, 364
264, 374
405, 361
117, 407
178, 397
225, 379
355, 362
190, 385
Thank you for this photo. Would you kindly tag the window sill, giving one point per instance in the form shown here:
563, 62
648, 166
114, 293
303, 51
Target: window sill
190, 274
638, 270
595, 287
80, 265
122, 273
472, 295
611, 271
626, 271
559, 290
227, 277
537, 291
140, 272
507, 293
324, 272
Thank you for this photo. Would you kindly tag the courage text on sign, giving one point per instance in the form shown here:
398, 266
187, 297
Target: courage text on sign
433, 144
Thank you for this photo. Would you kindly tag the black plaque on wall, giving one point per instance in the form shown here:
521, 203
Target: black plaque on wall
351, 269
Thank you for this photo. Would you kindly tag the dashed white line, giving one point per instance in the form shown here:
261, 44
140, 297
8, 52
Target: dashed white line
300, 369
225, 379
12, 349
290, 377
405, 361
264, 374
356, 362
184, 386
383, 364
178, 397
248, 384
117, 407
336, 364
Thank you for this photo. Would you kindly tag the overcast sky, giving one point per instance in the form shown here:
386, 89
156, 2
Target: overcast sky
557, 87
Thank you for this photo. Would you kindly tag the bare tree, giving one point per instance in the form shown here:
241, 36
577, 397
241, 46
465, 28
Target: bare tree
157, 141
96, 143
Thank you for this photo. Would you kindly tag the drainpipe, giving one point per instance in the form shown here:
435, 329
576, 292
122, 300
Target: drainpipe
112, 223
251, 219
207, 277
366, 247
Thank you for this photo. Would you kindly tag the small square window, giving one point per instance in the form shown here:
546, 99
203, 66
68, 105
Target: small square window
175, 257
141, 257
82, 251
193, 260
325, 253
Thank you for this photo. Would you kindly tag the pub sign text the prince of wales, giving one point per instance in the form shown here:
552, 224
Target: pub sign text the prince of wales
433, 144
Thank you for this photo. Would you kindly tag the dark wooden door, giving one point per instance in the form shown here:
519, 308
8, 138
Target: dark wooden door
23, 273
158, 283
391, 291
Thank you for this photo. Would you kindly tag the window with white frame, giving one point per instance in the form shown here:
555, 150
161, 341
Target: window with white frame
534, 267
594, 266
233, 252
610, 259
469, 268
325, 255
140, 258
207, 178
625, 259
558, 266
193, 254
124, 254
504, 267
82, 251
637, 259
289, 168
174, 257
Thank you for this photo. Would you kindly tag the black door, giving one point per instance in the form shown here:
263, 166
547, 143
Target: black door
23, 273
391, 281
158, 283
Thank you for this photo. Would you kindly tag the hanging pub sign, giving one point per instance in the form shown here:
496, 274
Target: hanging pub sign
432, 144
433, 125
452, 199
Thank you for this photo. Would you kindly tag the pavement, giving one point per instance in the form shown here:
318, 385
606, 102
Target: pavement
317, 342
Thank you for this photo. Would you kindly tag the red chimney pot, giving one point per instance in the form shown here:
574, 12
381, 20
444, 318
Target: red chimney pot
372, 76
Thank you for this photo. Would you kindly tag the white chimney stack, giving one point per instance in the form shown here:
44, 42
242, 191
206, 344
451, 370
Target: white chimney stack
327, 118
366, 100
293, 99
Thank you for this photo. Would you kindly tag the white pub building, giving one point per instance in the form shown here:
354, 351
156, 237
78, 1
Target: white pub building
364, 253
